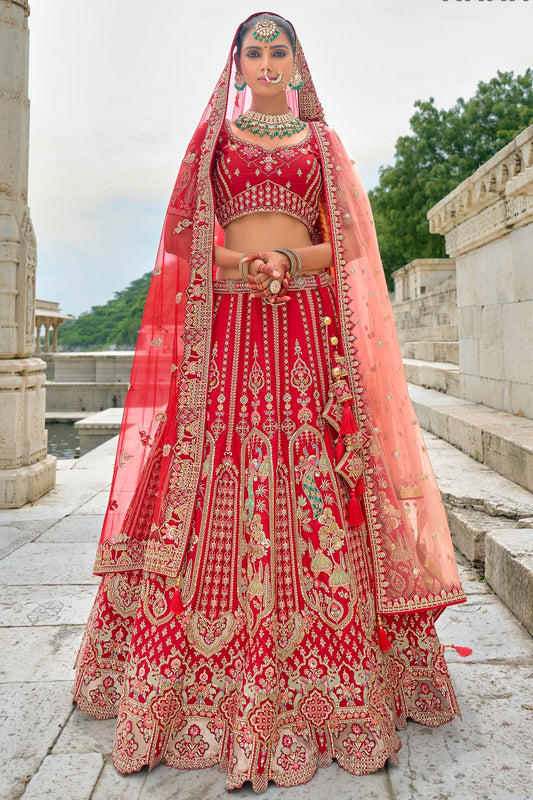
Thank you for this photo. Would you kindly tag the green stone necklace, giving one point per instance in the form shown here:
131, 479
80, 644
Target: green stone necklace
278, 125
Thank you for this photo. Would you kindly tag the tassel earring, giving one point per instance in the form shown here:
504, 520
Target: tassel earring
296, 82
239, 79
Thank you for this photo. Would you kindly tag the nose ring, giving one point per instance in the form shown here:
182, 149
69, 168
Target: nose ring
278, 80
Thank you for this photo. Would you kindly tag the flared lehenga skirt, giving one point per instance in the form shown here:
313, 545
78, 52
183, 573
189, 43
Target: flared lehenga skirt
274, 667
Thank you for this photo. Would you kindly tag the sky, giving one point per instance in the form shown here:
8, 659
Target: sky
117, 88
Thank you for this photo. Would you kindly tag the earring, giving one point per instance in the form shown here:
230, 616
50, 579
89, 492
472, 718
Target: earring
238, 78
296, 81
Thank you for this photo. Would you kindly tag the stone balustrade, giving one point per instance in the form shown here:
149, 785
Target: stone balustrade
487, 222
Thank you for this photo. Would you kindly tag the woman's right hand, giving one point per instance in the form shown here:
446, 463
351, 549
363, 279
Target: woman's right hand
264, 267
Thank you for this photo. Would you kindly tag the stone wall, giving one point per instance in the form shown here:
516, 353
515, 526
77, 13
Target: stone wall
98, 367
84, 396
426, 321
87, 381
488, 224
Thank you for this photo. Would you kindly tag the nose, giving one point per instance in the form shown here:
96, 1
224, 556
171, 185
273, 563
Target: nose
265, 61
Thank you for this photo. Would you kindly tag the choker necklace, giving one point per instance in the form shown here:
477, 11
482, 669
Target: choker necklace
273, 125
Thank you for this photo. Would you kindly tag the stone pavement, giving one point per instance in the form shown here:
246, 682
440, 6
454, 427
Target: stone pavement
51, 750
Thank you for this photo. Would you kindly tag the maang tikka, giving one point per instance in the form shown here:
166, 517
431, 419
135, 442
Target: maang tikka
265, 30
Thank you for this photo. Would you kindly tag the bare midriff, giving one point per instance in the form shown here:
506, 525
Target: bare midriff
264, 231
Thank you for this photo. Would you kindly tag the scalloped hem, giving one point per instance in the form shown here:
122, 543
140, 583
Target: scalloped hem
358, 764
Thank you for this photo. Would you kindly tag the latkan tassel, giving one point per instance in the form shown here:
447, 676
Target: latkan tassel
355, 514
339, 449
348, 424
462, 651
384, 641
360, 487
176, 604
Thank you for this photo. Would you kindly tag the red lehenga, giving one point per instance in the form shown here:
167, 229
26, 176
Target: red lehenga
275, 551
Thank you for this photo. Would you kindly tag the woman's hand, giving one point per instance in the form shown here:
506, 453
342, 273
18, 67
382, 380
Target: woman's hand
266, 266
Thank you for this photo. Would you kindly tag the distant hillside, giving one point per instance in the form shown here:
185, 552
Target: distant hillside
112, 326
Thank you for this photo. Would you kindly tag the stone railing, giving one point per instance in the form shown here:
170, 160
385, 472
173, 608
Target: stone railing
496, 197
487, 222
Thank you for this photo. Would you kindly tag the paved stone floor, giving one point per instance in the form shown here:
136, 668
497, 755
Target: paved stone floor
48, 749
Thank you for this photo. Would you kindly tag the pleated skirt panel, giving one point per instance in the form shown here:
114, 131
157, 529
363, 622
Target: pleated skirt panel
274, 667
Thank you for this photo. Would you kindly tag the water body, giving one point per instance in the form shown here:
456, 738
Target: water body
63, 439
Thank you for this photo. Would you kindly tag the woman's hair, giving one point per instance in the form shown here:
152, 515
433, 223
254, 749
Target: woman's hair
282, 24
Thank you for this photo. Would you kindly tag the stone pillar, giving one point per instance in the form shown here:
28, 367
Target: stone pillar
26, 472
46, 337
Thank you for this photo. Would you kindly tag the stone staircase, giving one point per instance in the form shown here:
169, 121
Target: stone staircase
427, 332
483, 460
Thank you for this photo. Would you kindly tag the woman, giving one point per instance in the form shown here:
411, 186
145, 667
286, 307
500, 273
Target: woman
275, 551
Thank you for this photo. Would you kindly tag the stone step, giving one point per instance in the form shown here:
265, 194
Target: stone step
431, 351
498, 439
444, 304
491, 522
98, 428
66, 416
423, 324
509, 570
421, 318
434, 375
469, 529
432, 333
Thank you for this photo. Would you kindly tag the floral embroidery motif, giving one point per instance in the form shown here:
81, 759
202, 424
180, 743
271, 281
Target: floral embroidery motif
275, 657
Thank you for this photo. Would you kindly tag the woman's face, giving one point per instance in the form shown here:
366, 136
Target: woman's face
258, 58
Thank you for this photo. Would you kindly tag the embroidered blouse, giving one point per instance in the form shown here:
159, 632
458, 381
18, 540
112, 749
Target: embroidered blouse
249, 177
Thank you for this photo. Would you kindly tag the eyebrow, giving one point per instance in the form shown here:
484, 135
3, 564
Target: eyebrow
272, 47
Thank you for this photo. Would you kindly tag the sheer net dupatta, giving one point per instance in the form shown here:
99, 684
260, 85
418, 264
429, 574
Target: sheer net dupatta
162, 419
414, 561
160, 450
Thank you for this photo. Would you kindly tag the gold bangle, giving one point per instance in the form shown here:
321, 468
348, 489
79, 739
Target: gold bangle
296, 259
244, 266
286, 252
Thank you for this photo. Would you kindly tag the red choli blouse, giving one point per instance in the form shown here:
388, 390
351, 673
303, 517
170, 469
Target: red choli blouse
249, 178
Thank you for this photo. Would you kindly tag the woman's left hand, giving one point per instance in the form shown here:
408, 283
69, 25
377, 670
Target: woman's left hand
273, 266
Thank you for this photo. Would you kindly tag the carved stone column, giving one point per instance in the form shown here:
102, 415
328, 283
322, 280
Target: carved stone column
26, 472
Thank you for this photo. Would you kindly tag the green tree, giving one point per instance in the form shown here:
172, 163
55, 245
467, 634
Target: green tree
445, 147
114, 324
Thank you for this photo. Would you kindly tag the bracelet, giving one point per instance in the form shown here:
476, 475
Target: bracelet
295, 271
244, 266
294, 260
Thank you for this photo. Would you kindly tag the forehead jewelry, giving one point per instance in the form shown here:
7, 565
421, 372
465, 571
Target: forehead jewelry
265, 30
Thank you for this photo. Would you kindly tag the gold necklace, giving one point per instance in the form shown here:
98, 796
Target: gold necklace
273, 125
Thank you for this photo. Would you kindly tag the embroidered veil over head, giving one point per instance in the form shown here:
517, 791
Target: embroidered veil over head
165, 413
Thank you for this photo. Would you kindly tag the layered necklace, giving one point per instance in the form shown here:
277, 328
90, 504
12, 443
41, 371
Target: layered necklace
272, 125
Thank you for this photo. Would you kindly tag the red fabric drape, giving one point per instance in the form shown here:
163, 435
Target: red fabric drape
164, 415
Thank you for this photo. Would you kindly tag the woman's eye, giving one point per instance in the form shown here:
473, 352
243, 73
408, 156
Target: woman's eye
280, 54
